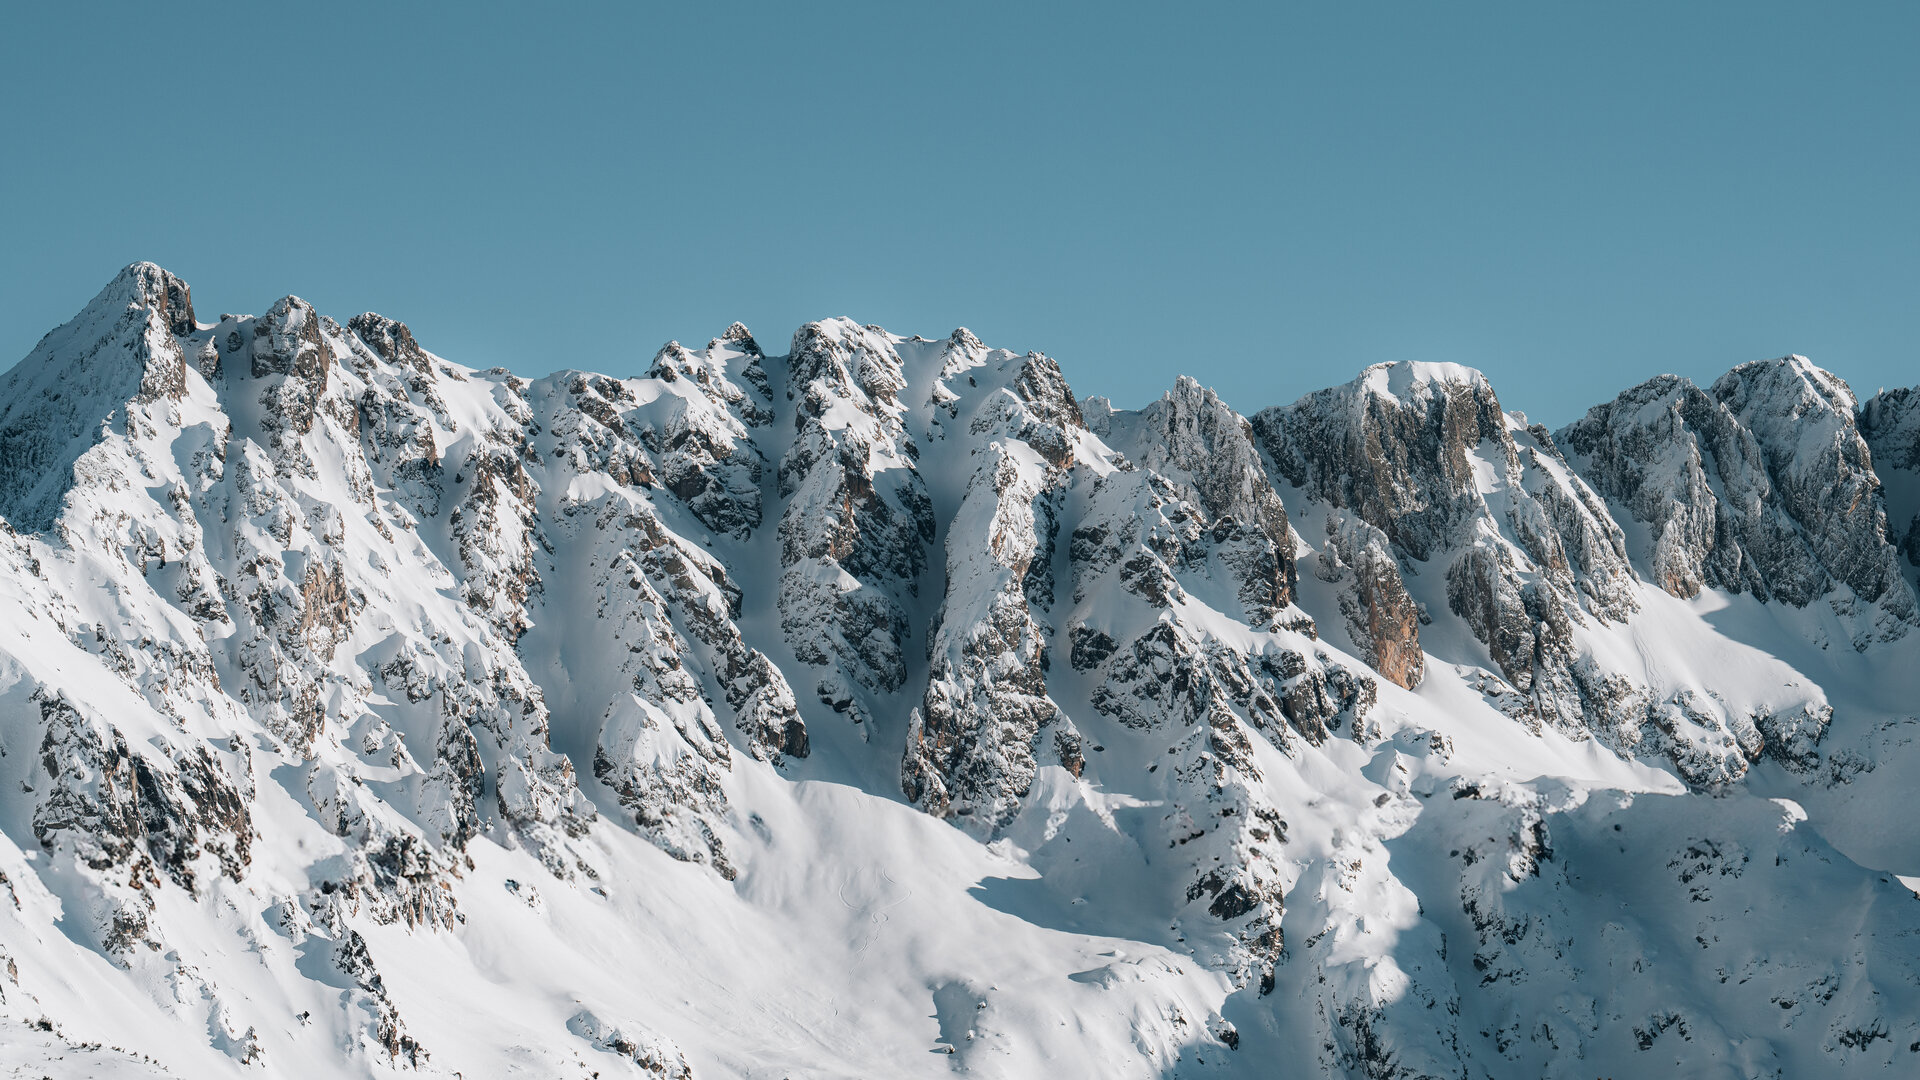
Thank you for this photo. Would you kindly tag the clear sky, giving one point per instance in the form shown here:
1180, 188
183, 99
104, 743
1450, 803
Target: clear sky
1569, 197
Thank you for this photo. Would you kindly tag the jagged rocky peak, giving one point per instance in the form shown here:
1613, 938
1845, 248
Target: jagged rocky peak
390, 340
1804, 419
739, 337
858, 522
1041, 385
1659, 450
1206, 450
1763, 484
1424, 455
1027, 398
676, 361
1395, 445
290, 339
159, 291
840, 358
714, 370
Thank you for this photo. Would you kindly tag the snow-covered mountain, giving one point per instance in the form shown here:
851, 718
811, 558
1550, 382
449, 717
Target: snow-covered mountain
880, 708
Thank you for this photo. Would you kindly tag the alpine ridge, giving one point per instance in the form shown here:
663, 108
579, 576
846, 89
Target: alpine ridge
881, 708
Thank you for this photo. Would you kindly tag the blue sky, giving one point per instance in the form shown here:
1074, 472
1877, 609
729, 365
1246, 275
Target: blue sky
1267, 198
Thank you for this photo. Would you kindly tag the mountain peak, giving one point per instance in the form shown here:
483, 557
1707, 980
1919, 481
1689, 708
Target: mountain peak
151, 287
738, 336
122, 348
1401, 379
1792, 375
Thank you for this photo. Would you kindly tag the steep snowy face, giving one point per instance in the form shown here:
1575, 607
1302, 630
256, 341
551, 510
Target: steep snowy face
123, 347
636, 623
1422, 457
1156, 650
636, 630
1763, 485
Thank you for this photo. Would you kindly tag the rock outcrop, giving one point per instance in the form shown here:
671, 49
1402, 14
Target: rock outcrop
1206, 449
1890, 422
1761, 485
1423, 456
987, 719
857, 526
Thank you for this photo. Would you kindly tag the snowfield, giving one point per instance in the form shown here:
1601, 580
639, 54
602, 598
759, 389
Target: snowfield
883, 709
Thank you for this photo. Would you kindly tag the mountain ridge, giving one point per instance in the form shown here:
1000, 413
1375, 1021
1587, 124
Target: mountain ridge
1130, 738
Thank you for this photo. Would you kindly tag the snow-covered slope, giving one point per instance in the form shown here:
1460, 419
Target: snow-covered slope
880, 708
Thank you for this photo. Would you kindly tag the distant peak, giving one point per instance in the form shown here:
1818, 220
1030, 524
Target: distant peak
838, 328
1792, 362
740, 338
1403, 377
963, 338
1792, 374
672, 361
1186, 386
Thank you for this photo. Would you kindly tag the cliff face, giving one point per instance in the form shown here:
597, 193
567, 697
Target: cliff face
1764, 484
1419, 471
357, 707
1890, 423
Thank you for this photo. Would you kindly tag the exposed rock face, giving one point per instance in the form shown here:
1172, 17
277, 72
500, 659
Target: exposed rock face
1382, 618
1762, 485
1192, 438
1822, 473
391, 341
974, 743
1890, 422
1424, 457
1650, 450
1397, 446
856, 508
1158, 672
706, 457
126, 811
389, 1033
1058, 548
